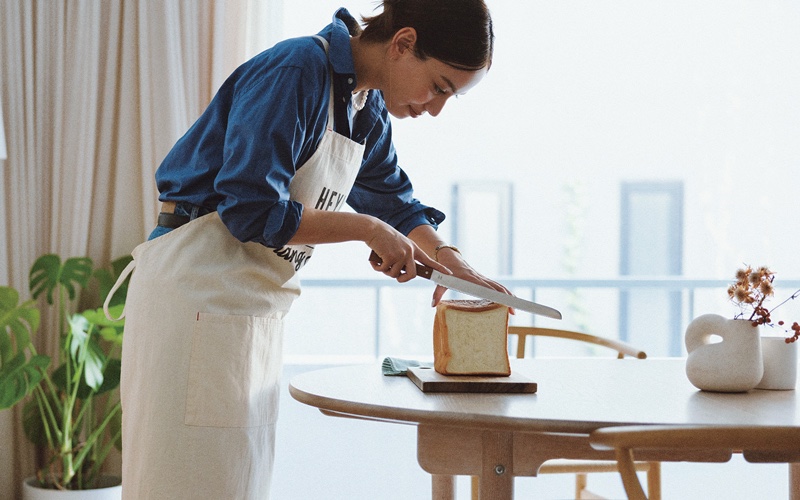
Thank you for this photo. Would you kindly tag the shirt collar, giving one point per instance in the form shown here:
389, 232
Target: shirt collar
340, 54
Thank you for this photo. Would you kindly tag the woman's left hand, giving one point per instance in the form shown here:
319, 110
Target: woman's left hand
461, 269
426, 237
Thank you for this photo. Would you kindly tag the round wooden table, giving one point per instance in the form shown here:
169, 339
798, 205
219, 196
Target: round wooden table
499, 436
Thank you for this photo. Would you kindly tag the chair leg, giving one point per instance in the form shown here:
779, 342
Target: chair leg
476, 488
628, 472
794, 481
582, 491
443, 487
654, 481
580, 485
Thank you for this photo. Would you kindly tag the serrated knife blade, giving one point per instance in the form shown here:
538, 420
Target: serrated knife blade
479, 291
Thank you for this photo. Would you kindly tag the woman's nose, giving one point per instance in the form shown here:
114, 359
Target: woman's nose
435, 106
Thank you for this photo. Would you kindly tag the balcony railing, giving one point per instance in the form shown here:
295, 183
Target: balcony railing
713, 291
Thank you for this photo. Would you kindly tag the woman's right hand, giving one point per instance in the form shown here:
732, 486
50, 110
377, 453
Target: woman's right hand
399, 254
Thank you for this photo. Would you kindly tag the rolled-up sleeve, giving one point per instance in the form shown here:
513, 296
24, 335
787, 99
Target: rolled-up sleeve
382, 189
264, 141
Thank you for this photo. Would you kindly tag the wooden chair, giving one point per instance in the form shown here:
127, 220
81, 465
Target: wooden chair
758, 444
581, 468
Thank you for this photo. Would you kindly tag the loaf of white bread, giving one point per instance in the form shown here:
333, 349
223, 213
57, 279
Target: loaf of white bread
470, 337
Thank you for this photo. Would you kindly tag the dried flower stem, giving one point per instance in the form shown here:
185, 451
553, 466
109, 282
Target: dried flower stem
751, 290
792, 297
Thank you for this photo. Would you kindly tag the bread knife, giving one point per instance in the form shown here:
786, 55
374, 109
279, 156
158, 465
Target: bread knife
479, 291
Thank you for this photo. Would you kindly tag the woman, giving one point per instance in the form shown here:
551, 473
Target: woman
254, 184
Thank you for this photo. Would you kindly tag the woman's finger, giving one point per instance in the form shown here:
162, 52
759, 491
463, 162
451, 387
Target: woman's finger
438, 293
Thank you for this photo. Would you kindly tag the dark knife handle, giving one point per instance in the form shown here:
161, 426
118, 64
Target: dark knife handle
422, 270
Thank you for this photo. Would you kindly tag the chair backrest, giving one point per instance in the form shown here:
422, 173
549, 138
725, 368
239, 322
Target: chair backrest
757, 443
523, 332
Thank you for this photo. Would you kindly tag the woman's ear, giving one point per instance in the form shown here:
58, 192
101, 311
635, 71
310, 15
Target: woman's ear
402, 42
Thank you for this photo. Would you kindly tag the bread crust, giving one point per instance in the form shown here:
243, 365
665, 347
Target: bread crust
474, 305
496, 340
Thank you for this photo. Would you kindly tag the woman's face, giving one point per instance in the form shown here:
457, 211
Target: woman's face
413, 86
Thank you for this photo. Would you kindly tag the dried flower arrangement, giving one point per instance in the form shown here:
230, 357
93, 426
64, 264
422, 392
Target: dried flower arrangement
751, 290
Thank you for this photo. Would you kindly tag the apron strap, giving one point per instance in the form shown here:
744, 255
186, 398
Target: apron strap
330, 103
122, 277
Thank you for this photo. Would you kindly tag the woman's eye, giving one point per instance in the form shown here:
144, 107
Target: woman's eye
438, 90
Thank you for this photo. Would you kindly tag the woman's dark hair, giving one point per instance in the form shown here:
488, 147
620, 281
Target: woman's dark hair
456, 32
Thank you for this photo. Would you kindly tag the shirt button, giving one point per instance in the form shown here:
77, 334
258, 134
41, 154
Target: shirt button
344, 99
350, 81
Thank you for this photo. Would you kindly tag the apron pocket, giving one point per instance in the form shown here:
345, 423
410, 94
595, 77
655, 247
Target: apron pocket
234, 371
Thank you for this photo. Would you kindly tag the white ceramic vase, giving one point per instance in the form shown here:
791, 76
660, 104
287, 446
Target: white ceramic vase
780, 364
110, 488
733, 365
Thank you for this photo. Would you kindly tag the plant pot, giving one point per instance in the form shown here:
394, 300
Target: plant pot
780, 364
733, 365
110, 488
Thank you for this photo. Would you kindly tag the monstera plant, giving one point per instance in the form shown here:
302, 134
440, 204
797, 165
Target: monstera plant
74, 410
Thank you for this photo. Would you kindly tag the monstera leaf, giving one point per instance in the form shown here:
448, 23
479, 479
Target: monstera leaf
85, 351
110, 329
20, 368
19, 377
111, 374
17, 321
48, 272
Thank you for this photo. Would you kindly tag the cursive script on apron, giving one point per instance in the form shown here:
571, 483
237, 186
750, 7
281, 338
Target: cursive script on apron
328, 200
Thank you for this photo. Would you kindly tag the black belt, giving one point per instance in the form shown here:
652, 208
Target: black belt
169, 219
172, 220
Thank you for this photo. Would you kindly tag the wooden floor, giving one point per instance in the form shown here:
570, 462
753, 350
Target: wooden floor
355, 460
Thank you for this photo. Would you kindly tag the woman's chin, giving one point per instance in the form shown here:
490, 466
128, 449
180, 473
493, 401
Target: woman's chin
400, 113
404, 112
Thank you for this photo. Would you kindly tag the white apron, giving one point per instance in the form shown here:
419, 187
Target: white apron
201, 358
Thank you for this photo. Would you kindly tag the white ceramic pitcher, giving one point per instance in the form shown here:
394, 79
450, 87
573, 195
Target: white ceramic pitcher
732, 365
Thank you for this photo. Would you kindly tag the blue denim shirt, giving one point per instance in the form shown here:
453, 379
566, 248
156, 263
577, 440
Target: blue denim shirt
266, 121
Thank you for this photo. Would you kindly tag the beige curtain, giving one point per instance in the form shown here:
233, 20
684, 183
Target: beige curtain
2, 135
93, 94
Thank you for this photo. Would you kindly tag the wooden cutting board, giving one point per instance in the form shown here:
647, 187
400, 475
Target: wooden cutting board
429, 380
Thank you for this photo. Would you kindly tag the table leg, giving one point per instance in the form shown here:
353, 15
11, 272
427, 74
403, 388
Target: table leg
443, 487
444, 451
794, 481
497, 478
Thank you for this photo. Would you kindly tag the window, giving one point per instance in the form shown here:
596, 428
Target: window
651, 230
482, 220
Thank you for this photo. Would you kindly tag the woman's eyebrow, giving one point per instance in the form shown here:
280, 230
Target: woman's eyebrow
450, 84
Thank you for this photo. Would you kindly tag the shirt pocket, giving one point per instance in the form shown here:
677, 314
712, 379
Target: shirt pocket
234, 371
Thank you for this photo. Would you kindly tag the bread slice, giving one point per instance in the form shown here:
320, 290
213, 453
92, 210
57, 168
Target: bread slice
470, 337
